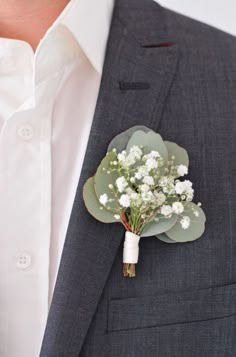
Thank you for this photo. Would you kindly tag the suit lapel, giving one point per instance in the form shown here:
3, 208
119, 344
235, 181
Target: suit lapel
136, 78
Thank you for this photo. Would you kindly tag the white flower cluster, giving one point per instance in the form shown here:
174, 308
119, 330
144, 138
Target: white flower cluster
185, 189
129, 159
146, 188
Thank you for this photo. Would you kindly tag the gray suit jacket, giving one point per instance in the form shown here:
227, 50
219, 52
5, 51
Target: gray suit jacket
178, 77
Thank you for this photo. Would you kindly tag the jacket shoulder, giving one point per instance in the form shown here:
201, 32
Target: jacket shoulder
194, 34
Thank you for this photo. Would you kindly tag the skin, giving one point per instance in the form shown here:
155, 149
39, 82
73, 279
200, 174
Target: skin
28, 20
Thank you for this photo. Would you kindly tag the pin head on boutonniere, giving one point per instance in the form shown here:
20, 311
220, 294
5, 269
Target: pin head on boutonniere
140, 184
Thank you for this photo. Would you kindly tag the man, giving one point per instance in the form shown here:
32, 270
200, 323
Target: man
72, 76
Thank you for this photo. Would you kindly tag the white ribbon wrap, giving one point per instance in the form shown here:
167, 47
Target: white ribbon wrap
131, 248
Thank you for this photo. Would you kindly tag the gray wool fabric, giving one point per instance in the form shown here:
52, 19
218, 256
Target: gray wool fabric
176, 76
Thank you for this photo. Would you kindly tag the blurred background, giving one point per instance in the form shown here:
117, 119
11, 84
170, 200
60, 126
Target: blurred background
217, 13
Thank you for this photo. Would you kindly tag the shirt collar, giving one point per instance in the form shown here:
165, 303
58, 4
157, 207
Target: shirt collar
89, 22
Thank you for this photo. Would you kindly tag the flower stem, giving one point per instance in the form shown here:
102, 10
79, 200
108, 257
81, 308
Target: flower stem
129, 270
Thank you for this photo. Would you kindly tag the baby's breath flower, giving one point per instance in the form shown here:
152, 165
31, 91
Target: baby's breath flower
147, 196
166, 210
164, 181
144, 187
121, 157
185, 190
151, 164
183, 187
141, 172
148, 180
136, 152
124, 200
130, 160
189, 196
160, 161
177, 207
103, 199
185, 222
167, 184
138, 175
159, 198
152, 155
121, 183
129, 191
136, 199
134, 196
182, 170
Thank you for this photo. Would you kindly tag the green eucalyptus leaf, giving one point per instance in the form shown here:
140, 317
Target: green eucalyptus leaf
120, 141
150, 141
102, 180
153, 228
92, 204
164, 238
181, 155
196, 228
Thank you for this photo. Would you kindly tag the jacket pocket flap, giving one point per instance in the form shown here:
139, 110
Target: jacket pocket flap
173, 308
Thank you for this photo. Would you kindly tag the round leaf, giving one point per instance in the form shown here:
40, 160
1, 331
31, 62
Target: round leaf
181, 155
92, 204
102, 180
196, 228
150, 141
121, 140
163, 237
163, 224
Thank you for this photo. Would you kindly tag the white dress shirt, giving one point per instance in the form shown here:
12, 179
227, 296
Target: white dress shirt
47, 103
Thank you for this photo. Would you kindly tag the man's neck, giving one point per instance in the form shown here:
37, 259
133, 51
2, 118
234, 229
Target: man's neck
28, 20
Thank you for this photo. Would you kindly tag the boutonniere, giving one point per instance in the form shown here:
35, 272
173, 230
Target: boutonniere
140, 184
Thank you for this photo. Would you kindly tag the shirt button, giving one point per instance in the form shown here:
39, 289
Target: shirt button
25, 132
23, 260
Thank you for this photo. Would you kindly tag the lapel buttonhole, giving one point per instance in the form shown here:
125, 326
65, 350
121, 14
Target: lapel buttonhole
164, 44
133, 85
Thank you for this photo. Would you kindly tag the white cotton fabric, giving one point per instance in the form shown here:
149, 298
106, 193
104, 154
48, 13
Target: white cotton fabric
47, 103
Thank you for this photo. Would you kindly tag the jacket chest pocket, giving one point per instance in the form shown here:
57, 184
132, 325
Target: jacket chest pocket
198, 323
134, 343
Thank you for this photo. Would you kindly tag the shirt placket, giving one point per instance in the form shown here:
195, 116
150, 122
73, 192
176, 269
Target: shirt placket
25, 227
